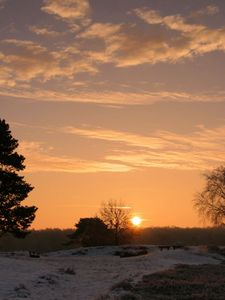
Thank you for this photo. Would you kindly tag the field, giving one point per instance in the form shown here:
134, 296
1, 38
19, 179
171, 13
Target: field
97, 274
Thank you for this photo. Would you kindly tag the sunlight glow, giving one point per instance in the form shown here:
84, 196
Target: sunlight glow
136, 221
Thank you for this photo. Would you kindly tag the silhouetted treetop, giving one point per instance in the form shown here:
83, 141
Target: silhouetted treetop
92, 232
210, 203
9, 158
116, 216
14, 217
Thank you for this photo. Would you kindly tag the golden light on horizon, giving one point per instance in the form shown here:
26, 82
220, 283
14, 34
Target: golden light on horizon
136, 221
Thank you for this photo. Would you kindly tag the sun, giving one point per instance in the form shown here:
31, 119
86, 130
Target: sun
136, 221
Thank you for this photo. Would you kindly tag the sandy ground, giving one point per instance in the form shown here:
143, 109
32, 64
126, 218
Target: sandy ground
49, 277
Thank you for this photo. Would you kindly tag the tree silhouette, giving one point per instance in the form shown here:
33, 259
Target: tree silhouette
210, 203
92, 232
117, 217
14, 217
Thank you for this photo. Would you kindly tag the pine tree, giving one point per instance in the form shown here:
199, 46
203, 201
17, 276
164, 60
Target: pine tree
14, 218
92, 232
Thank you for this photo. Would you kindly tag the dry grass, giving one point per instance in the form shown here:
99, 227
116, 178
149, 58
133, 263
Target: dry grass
201, 282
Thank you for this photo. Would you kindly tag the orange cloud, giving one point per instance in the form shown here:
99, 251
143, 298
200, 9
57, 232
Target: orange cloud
26, 60
122, 45
103, 97
126, 45
209, 10
202, 149
67, 9
41, 159
2, 3
119, 137
190, 40
105, 31
110, 34
45, 31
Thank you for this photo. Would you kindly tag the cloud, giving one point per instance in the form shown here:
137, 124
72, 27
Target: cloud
5, 77
105, 97
45, 31
164, 39
209, 10
174, 22
188, 40
2, 3
25, 60
199, 150
105, 31
42, 159
167, 39
170, 40
119, 137
67, 9
111, 36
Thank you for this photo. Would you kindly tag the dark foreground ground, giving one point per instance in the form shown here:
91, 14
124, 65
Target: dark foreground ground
196, 282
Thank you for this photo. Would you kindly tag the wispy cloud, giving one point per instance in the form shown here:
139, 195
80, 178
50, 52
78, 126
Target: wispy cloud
105, 31
23, 60
24, 64
167, 39
190, 40
111, 36
126, 44
209, 10
42, 159
119, 137
45, 31
2, 3
104, 96
202, 149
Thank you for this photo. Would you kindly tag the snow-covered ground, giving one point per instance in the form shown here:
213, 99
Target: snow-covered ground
73, 275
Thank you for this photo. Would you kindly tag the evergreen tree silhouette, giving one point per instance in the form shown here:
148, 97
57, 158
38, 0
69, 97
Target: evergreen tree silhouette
14, 218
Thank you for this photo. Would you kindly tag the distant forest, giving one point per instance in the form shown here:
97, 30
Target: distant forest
56, 239
187, 236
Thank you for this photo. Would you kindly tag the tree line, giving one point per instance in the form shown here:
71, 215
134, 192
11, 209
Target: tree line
57, 239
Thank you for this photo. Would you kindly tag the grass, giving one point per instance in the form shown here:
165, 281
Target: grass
196, 282
129, 251
69, 271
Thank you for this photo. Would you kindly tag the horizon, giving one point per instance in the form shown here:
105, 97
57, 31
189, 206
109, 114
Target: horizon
120, 100
139, 228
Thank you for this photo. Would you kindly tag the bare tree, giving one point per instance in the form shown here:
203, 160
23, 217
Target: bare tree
116, 216
210, 203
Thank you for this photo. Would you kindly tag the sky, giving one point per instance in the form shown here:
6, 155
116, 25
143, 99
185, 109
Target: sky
117, 100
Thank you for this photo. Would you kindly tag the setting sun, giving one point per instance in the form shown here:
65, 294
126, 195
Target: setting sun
136, 221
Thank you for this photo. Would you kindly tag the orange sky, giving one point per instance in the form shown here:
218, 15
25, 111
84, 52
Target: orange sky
160, 197
114, 99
